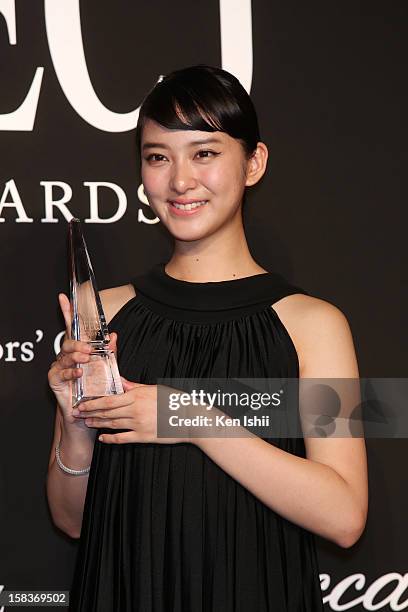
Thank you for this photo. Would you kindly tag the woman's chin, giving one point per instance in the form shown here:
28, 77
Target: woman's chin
187, 235
188, 232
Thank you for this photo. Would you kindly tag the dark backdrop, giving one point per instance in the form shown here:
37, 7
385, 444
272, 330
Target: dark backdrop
329, 82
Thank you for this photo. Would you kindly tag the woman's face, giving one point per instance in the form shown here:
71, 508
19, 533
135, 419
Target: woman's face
186, 166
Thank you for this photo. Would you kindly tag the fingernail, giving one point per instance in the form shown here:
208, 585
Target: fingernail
76, 412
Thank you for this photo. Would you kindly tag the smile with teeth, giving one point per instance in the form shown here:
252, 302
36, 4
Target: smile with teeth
189, 206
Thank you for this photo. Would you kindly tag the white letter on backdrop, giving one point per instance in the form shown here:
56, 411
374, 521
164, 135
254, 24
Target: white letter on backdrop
50, 203
23, 118
94, 204
63, 23
11, 188
236, 40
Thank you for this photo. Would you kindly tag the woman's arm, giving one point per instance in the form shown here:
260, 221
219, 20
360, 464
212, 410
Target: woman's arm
65, 492
325, 493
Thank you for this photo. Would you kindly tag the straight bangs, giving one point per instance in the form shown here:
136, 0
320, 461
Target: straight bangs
199, 98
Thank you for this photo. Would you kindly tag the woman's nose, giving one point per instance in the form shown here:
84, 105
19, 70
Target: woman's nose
182, 177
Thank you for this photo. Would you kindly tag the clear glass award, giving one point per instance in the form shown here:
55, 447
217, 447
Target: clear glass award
100, 374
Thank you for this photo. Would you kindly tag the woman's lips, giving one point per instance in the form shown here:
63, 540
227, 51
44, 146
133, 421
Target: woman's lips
178, 212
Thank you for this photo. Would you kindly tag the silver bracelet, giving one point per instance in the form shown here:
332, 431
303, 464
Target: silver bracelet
67, 469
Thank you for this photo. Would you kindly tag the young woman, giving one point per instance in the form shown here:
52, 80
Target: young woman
202, 524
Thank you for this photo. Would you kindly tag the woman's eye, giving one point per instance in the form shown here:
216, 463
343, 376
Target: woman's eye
211, 153
152, 155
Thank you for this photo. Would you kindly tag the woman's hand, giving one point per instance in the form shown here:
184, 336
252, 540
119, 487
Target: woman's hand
63, 371
135, 409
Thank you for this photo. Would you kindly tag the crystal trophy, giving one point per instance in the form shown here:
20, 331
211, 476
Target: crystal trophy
100, 375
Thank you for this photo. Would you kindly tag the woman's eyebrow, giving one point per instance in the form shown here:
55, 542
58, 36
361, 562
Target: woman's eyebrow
162, 145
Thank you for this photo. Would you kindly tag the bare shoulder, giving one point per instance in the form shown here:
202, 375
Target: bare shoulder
299, 308
115, 298
316, 327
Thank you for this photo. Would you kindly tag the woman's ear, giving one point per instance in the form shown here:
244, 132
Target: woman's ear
256, 165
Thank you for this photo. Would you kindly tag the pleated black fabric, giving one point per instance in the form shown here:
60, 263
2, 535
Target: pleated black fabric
164, 528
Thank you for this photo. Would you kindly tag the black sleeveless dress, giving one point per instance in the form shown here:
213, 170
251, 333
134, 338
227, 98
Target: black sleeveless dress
164, 528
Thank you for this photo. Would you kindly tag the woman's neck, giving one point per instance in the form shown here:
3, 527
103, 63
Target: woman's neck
215, 259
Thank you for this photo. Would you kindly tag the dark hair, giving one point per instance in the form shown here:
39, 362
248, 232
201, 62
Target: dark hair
202, 98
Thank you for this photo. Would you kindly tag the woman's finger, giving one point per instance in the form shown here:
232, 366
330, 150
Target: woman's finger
115, 413
122, 423
69, 346
57, 376
71, 359
113, 336
71, 373
124, 437
107, 402
66, 311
